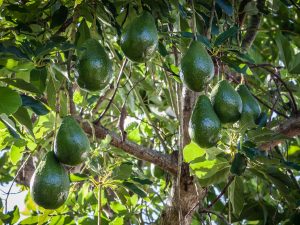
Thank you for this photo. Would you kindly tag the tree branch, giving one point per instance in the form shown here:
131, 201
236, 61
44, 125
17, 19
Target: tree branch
289, 128
164, 161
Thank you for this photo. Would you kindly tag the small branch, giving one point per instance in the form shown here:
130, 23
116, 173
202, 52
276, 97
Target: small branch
13, 181
222, 192
164, 161
114, 94
215, 213
216, 199
295, 4
208, 33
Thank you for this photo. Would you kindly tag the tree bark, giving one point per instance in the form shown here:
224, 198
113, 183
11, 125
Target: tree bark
185, 192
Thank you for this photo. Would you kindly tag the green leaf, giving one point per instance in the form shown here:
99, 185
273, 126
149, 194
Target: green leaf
231, 32
10, 125
30, 220
59, 16
10, 101
142, 181
236, 196
123, 171
132, 187
24, 119
192, 151
76, 177
38, 77
225, 6
82, 34
21, 84
117, 221
35, 105
16, 153
117, 207
294, 64
284, 47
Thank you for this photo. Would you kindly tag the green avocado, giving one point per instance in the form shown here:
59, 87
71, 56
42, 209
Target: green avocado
239, 164
140, 37
49, 185
157, 172
227, 102
204, 126
71, 145
197, 68
251, 108
95, 67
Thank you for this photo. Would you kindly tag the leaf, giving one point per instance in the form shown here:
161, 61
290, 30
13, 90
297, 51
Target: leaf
10, 100
24, 119
142, 181
162, 49
231, 32
225, 6
30, 220
236, 195
117, 221
38, 77
10, 125
284, 47
123, 171
59, 16
76, 177
192, 151
132, 187
21, 84
35, 105
117, 207
294, 64
82, 34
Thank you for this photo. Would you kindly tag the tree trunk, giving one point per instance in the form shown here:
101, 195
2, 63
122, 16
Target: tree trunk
183, 197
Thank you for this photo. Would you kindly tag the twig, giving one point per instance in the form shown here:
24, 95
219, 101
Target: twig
215, 213
13, 181
231, 178
208, 33
114, 94
295, 4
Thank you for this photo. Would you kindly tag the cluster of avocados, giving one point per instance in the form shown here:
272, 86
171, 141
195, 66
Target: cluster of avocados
225, 105
49, 185
138, 42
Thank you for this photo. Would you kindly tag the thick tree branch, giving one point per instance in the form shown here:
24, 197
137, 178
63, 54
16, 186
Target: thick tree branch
289, 128
164, 161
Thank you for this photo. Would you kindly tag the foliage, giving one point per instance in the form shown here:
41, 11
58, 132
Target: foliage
39, 47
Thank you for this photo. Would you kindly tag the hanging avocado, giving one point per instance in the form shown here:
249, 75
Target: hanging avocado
251, 108
49, 185
227, 102
204, 127
197, 68
95, 67
71, 144
139, 39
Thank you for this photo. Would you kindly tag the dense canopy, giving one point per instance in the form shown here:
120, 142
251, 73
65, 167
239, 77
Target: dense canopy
133, 102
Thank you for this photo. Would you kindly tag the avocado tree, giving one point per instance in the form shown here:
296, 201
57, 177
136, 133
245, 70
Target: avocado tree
150, 112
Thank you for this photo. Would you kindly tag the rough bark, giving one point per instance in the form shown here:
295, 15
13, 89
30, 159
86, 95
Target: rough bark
185, 192
289, 128
164, 161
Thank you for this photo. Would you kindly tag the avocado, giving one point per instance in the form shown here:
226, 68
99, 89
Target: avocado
139, 38
94, 67
204, 126
227, 102
49, 185
239, 164
71, 145
157, 172
197, 68
251, 109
